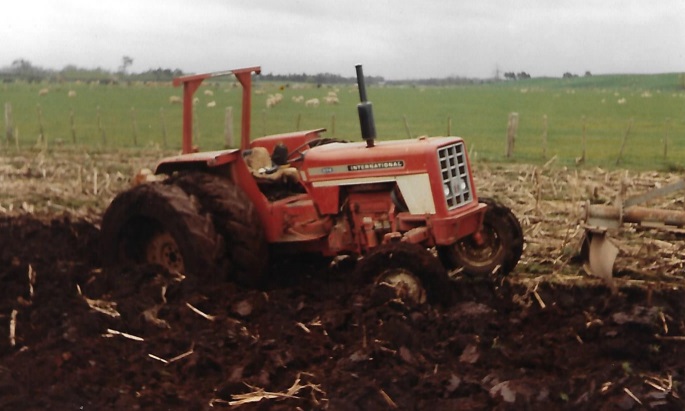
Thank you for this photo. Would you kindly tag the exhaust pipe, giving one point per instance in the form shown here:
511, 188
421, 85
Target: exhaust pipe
365, 110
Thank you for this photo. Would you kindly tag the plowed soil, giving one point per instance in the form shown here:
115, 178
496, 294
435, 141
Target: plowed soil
547, 337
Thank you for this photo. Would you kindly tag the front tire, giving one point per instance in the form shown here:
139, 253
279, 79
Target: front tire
411, 269
500, 250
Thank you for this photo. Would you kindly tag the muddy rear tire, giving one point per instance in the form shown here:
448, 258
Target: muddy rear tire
396, 261
244, 248
159, 224
501, 248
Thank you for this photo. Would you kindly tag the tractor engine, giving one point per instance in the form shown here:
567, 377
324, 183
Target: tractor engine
392, 188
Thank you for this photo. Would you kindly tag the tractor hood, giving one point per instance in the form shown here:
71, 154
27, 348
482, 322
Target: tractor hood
354, 161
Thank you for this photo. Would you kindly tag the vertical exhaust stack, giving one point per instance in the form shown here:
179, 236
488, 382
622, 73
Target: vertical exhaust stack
365, 110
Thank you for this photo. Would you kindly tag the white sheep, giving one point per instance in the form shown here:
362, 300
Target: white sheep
273, 99
621, 101
298, 99
209, 93
211, 104
312, 102
72, 93
43, 91
175, 100
331, 99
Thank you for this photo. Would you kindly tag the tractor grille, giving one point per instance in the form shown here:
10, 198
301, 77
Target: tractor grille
455, 172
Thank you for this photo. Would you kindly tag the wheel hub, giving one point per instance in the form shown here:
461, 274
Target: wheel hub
407, 286
163, 250
480, 250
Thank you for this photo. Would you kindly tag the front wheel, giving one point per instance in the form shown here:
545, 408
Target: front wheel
415, 274
498, 249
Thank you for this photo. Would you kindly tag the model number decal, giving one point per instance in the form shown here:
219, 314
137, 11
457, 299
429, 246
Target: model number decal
376, 166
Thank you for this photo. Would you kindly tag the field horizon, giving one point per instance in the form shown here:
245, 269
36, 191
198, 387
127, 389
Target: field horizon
634, 121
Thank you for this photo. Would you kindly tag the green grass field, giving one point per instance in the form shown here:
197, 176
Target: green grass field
653, 107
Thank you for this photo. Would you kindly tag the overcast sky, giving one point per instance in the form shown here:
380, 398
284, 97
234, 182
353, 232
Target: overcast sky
395, 39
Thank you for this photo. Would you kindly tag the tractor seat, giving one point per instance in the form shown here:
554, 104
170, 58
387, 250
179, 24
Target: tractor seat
264, 170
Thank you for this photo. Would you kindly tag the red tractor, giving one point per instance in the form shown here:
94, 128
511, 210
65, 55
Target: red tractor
220, 214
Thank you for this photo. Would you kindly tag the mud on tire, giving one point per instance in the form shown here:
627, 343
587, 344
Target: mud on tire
161, 217
503, 244
413, 258
244, 256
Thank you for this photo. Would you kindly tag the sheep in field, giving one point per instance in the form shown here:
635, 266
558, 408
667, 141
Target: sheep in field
313, 102
331, 99
209, 93
211, 104
175, 100
72, 93
273, 99
43, 91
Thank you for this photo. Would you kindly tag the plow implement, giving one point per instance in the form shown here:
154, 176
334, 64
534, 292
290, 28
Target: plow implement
599, 219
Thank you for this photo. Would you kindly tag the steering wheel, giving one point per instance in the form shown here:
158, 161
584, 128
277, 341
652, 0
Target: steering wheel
297, 154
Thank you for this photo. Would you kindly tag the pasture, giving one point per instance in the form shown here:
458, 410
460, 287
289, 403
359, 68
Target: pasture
640, 118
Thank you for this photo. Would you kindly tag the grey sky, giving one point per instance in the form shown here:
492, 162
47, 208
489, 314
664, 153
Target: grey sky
394, 39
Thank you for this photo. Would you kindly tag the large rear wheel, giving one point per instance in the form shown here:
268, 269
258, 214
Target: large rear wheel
159, 224
415, 274
498, 249
245, 250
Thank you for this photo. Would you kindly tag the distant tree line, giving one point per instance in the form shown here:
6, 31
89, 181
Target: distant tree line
321, 78
24, 70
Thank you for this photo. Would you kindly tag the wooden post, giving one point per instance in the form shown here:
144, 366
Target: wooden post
9, 127
196, 127
583, 141
134, 126
406, 126
100, 129
623, 144
163, 121
41, 129
544, 136
228, 128
72, 126
263, 122
512, 128
668, 130
333, 125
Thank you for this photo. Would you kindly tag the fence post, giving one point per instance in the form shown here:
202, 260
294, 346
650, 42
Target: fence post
134, 125
9, 127
196, 127
406, 126
668, 130
544, 136
623, 144
72, 125
512, 128
583, 140
41, 128
228, 128
100, 129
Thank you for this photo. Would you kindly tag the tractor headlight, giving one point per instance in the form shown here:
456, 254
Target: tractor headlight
462, 186
447, 190
455, 187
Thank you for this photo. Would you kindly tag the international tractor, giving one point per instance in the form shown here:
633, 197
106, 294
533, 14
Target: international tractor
407, 209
